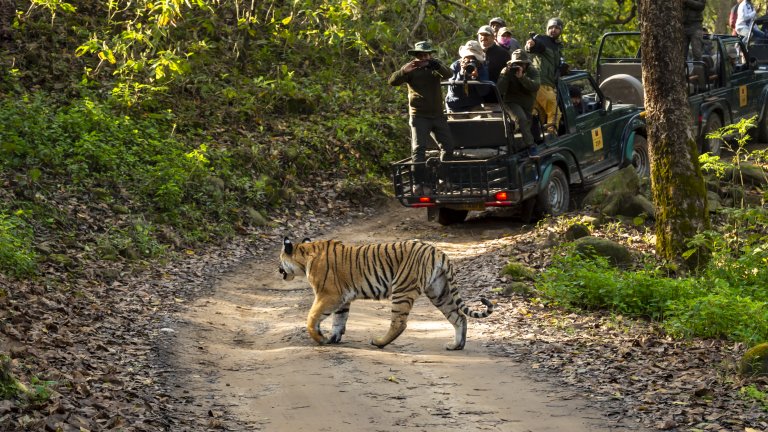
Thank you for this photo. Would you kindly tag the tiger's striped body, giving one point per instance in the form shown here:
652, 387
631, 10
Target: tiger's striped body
340, 273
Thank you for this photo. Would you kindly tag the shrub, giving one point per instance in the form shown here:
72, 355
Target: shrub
17, 258
592, 283
719, 315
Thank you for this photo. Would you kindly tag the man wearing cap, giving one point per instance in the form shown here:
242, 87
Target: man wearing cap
505, 40
547, 57
422, 75
518, 85
470, 66
497, 23
495, 56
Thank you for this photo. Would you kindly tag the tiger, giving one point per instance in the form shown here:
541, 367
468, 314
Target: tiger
340, 273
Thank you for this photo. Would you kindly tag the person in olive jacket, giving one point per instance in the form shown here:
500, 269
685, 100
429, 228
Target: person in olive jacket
422, 75
518, 85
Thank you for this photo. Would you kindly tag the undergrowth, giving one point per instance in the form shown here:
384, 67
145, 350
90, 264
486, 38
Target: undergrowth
726, 299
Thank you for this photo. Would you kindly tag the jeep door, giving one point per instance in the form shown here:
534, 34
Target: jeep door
744, 91
592, 132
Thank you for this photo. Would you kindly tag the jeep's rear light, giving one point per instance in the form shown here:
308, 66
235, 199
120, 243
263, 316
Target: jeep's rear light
501, 196
425, 200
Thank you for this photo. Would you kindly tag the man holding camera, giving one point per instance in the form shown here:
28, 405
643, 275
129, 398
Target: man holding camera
422, 75
518, 85
461, 96
547, 56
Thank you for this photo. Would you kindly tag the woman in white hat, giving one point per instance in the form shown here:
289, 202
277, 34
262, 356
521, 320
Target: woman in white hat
462, 97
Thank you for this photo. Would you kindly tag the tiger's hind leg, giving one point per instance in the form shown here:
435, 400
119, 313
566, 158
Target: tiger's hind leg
402, 302
339, 323
439, 293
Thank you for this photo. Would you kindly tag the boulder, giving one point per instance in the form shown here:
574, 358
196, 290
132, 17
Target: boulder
616, 253
713, 201
577, 231
751, 175
755, 361
619, 194
624, 182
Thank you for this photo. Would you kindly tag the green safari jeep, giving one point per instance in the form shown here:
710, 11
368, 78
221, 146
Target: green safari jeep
729, 83
492, 168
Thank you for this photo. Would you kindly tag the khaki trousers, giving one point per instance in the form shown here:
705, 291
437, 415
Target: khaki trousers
546, 106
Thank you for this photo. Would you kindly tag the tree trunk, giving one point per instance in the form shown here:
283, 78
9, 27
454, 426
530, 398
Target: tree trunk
677, 185
721, 10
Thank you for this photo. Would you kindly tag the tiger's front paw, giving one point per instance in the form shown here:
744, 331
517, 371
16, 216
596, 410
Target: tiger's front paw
319, 338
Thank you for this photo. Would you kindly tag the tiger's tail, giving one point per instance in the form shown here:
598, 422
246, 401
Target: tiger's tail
460, 302
477, 314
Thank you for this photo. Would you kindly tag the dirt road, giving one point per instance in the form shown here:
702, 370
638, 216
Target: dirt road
245, 357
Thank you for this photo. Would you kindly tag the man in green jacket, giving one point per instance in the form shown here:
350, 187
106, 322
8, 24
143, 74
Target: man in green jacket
518, 85
547, 57
422, 75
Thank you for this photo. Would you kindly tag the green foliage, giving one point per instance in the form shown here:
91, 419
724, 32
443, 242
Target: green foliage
17, 257
726, 299
10, 386
689, 307
752, 393
573, 280
517, 271
41, 390
722, 314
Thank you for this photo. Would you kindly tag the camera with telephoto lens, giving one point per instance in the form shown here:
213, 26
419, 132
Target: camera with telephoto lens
470, 67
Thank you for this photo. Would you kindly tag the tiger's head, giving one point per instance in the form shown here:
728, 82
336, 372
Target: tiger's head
289, 267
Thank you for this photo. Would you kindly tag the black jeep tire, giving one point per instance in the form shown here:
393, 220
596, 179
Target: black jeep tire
449, 216
641, 159
555, 195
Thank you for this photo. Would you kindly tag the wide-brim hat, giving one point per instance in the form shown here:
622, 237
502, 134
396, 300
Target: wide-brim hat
472, 48
519, 56
504, 30
421, 47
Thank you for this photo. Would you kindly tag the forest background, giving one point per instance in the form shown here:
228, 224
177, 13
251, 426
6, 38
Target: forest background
196, 118
132, 132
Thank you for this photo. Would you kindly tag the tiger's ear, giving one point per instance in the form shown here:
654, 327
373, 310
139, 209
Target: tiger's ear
306, 240
287, 246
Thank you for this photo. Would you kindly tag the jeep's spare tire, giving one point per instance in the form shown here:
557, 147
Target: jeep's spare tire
624, 89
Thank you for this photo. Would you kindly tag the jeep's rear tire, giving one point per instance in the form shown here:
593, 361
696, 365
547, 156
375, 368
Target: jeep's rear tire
641, 159
712, 145
555, 195
449, 216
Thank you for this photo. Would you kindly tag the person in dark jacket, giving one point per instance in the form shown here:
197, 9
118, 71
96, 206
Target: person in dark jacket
518, 85
462, 97
693, 17
496, 57
547, 57
422, 75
